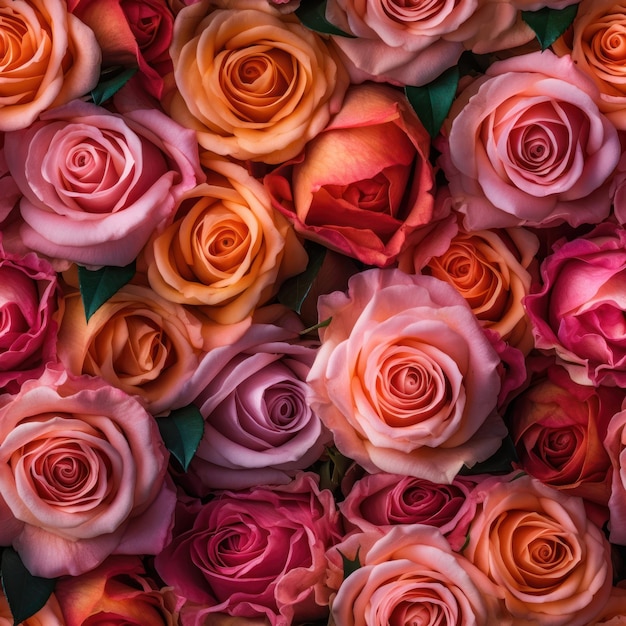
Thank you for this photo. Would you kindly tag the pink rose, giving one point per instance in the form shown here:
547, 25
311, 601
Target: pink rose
615, 445
410, 575
256, 553
405, 377
252, 394
31, 301
368, 210
97, 184
578, 311
83, 474
536, 544
527, 144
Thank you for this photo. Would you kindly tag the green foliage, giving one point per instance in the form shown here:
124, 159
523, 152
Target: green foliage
312, 13
549, 24
182, 432
332, 470
350, 565
25, 593
112, 79
97, 286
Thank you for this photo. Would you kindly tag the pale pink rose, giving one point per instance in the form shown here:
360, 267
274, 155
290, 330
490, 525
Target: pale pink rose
29, 308
618, 190
408, 575
49, 58
119, 591
258, 553
577, 313
527, 145
405, 378
615, 445
83, 475
536, 544
364, 184
96, 184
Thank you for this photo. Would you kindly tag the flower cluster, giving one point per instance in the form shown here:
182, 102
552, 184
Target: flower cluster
312, 312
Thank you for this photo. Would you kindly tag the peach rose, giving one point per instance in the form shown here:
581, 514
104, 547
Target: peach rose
552, 564
597, 45
527, 145
615, 446
227, 251
405, 377
253, 83
49, 58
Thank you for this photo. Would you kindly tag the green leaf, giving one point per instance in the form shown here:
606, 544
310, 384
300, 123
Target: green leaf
312, 13
549, 24
182, 431
97, 286
25, 593
501, 462
432, 102
294, 291
350, 565
112, 79
312, 329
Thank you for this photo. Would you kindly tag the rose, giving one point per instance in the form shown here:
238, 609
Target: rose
369, 209
405, 378
577, 312
253, 83
49, 58
258, 427
117, 591
97, 184
141, 343
558, 428
595, 43
83, 474
132, 32
255, 553
615, 445
528, 145
491, 269
410, 575
29, 309
551, 563
380, 501
614, 612
227, 249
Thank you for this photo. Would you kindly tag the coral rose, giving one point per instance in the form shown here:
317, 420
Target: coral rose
96, 184
405, 377
552, 564
253, 83
49, 58
528, 145
227, 251
615, 445
83, 474
364, 184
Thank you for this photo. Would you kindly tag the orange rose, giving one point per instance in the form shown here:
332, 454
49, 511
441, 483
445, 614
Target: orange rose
228, 251
253, 83
49, 57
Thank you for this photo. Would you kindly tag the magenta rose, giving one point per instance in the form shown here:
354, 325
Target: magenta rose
30, 304
97, 184
83, 474
252, 394
257, 553
577, 313
528, 145
405, 378
369, 209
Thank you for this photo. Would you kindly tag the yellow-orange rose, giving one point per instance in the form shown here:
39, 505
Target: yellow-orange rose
49, 57
228, 250
253, 83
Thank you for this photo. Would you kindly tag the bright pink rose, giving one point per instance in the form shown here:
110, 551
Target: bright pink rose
615, 445
83, 474
119, 591
256, 553
30, 302
368, 209
578, 311
410, 575
97, 184
536, 544
528, 145
405, 378
252, 394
